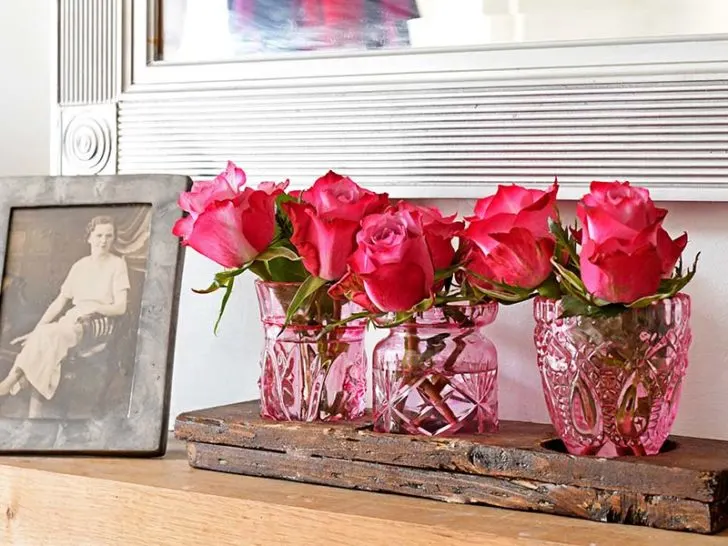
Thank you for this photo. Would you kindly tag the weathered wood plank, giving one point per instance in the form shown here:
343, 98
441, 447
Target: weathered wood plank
587, 503
694, 469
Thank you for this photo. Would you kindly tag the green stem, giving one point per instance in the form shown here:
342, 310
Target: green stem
412, 364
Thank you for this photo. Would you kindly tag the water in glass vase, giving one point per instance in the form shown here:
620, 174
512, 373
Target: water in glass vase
437, 375
307, 376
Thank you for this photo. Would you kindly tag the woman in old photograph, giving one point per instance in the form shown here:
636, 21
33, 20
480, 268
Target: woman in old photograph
97, 284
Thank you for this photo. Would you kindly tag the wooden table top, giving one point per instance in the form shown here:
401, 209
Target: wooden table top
80, 501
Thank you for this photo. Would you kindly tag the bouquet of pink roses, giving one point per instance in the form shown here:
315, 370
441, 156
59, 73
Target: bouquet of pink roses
336, 236
336, 254
398, 258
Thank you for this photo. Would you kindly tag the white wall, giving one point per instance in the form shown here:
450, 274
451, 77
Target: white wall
210, 371
26, 92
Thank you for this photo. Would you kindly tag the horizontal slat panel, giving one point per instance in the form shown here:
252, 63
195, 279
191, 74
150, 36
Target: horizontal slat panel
669, 134
336, 140
444, 92
172, 110
472, 158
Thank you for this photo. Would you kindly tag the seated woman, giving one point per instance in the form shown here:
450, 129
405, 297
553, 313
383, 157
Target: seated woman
96, 284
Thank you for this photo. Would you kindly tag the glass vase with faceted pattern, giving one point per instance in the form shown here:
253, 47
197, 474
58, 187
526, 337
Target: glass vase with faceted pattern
305, 376
612, 384
437, 375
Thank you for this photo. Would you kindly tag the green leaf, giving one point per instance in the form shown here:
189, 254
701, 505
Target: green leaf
424, 305
501, 292
223, 276
549, 289
646, 301
572, 306
283, 270
503, 297
445, 273
399, 318
225, 298
212, 288
261, 269
277, 252
221, 280
570, 279
284, 227
304, 292
339, 323
563, 240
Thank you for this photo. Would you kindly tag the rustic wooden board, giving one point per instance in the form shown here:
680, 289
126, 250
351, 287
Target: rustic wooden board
685, 488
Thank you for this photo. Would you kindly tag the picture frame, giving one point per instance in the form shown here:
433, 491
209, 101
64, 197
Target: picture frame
91, 276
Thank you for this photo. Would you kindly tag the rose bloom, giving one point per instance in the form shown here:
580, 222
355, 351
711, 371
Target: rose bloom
391, 269
326, 221
226, 221
439, 232
508, 241
625, 252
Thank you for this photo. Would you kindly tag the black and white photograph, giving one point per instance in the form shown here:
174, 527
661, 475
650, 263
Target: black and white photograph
69, 313
91, 274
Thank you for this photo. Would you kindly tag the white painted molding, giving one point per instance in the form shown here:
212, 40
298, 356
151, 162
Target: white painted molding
451, 122
89, 51
89, 139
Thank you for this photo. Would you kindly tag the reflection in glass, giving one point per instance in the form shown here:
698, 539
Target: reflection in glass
205, 29
224, 29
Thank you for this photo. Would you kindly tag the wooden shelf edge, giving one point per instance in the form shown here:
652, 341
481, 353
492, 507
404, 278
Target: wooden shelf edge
99, 501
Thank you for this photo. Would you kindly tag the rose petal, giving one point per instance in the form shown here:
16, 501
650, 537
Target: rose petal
599, 226
618, 277
336, 196
397, 287
260, 218
273, 188
324, 244
670, 250
183, 227
519, 259
351, 287
218, 234
479, 233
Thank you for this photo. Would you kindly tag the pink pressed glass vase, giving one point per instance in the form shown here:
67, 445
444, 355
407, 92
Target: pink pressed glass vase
437, 375
306, 376
612, 385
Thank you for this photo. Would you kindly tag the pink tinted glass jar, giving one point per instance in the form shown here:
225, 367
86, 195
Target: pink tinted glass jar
306, 376
612, 385
438, 374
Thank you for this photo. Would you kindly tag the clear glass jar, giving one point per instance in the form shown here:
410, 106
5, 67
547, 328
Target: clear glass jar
612, 385
306, 376
437, 375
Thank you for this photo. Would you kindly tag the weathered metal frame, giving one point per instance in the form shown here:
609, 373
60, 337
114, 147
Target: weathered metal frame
144, 430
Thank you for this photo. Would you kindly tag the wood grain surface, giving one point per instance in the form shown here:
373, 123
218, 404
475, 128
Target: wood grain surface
87, 501
685, 488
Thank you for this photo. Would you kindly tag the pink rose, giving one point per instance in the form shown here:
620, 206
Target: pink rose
439, 232
392, 261
227, 222
508, 240
325, 223
625, 251
351, 287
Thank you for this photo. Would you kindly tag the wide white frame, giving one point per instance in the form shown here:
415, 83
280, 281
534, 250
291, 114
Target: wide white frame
125, 117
